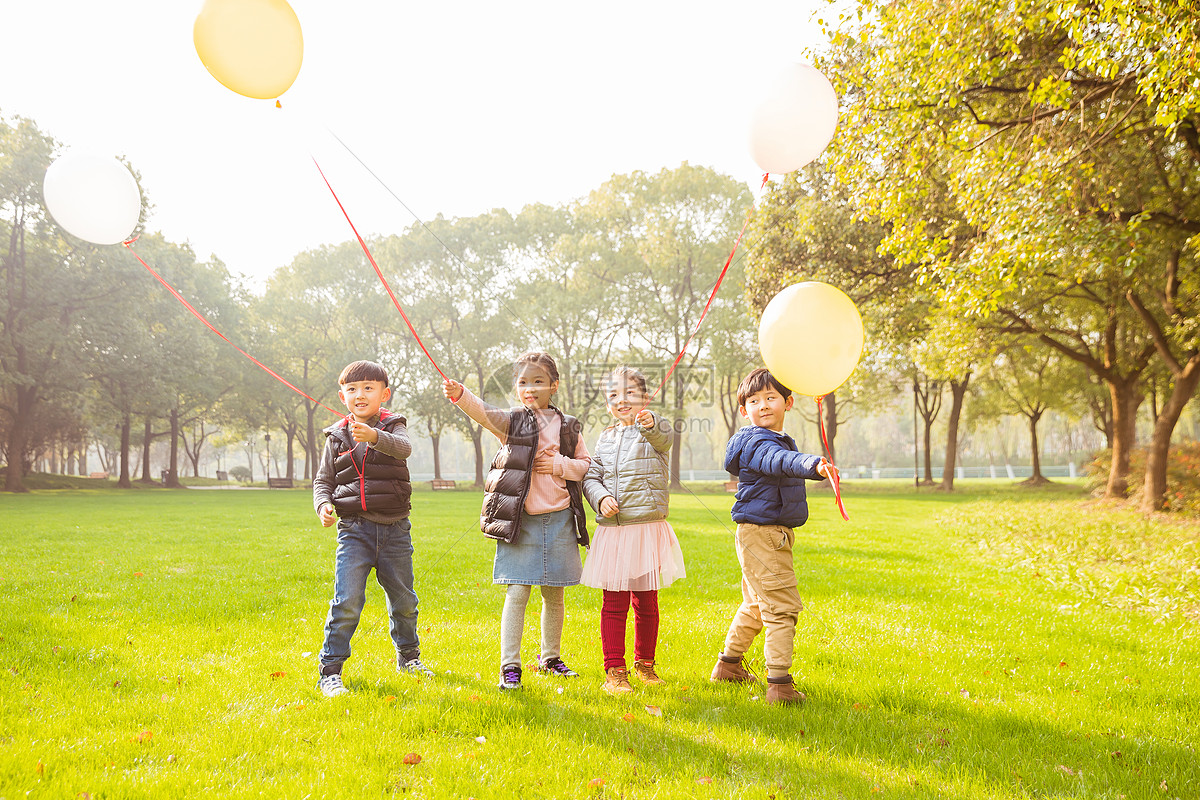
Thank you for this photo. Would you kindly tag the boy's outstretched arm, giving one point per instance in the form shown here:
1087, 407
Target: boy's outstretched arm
771, 458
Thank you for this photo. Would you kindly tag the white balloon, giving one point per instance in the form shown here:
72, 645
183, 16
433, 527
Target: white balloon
93, 197
795, 121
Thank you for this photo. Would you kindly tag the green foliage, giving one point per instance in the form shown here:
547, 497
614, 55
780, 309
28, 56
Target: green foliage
1183, 476
162, 644
240, 473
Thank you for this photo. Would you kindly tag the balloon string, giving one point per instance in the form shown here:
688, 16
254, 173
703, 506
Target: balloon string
209, 325
379, 272
711, 297
834, 480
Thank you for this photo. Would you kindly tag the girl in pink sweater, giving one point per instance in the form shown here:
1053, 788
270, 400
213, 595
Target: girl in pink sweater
533, 507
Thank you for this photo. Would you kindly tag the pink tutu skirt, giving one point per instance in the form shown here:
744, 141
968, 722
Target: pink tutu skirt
637, 558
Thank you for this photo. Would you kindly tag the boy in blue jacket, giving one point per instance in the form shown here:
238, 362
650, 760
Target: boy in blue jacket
770, 503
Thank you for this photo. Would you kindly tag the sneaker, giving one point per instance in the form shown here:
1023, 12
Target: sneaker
331, 685
510, 677
730, 670
644, 670
555, 666
413, 666
783, 692
616, 681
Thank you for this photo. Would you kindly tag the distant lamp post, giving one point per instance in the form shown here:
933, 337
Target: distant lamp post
267, 439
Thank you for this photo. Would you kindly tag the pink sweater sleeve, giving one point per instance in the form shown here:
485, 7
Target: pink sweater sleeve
573, 469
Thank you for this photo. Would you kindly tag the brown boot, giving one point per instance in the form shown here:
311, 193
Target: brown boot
783, 691
730, 670
644, 670
616, 681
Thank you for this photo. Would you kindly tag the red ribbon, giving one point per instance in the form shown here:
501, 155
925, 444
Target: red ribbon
834, 479
711, 297
199, 316
379, 272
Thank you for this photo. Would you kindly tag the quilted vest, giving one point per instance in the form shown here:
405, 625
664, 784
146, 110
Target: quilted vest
507, 482
368, 480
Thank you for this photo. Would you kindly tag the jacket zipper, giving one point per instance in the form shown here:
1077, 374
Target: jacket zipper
617, 474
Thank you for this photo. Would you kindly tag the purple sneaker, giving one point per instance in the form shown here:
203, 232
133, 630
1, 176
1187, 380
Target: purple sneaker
555, 666
510, 677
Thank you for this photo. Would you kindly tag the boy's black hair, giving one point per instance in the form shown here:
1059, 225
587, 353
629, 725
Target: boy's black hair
363, 371
758, 380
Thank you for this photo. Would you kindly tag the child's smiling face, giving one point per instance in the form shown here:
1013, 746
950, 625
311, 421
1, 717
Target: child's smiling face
363, 398
533, 386
624, 398
766, 408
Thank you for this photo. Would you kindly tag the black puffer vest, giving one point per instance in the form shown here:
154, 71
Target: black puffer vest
383, 487
507, 481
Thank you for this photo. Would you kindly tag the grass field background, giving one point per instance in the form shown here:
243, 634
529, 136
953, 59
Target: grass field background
995, 642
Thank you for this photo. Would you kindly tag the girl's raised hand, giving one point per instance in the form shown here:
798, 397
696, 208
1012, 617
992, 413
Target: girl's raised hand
452, 389
645, 418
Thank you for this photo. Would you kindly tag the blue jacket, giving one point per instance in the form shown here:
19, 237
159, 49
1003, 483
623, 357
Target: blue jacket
771, 475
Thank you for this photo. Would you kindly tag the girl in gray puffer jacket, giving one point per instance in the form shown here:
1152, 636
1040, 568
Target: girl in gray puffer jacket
634, 552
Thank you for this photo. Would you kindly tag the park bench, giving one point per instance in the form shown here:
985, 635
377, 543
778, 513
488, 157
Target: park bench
440, 484
100, 475
279, 483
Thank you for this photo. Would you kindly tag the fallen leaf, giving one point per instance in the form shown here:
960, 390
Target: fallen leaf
138, 575
1066, 770
473, 697
171, 759
875, 789
1115, 754
412, 758
391, 698
84, 796
1062, 664
628, 717
73, 597
40, 769
278, 675
596, 782
654, 711
705, 779
144, 736
859, 707
1162, 785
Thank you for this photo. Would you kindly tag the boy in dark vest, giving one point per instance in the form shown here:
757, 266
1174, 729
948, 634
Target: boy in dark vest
362, 484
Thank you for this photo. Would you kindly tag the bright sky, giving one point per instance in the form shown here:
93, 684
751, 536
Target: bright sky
459, 107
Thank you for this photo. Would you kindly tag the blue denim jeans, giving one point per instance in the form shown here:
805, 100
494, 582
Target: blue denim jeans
363, 545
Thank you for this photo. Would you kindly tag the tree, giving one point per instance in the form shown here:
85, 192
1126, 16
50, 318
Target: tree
1054, 133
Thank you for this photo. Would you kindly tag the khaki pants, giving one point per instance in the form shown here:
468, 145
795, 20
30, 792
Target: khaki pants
770, 598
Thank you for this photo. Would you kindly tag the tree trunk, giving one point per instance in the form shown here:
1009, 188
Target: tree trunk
1125, 401
1154, 490
146, 441
173, 469
18, 439
1035, 449
477, 441
310, 452
830, 414
928, 480
83, 460
124, 482
291, 455
435, 439
958, 391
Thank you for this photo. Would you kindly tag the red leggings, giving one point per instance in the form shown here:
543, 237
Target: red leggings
612, 626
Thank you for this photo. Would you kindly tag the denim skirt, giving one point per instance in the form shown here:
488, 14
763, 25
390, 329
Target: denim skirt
544, 554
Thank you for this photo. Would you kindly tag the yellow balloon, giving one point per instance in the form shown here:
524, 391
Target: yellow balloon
811, 337
254, 47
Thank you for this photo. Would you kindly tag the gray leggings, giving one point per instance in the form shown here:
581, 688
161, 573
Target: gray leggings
512, 622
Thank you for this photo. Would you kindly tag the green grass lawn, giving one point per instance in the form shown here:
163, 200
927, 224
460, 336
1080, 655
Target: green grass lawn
991, 643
